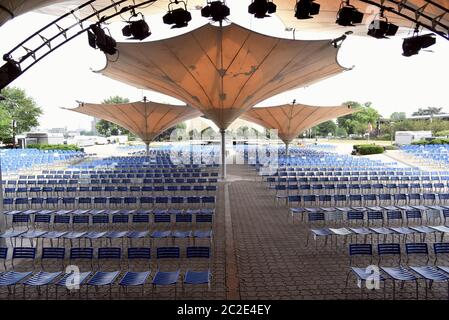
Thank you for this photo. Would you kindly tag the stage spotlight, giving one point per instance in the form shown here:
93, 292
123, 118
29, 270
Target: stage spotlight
413, 45
260, 8
380, 28
178, 17
98, 39
216, 10
305, 9
348, 15
137, 29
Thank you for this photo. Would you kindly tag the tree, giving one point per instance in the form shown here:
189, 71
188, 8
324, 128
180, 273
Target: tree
429, 111
107, 128
358, 122
323, 129
19, 107
397, 116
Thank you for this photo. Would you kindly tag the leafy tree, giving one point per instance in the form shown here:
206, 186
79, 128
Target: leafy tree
107, 128
357, 123
397, 116
429, 111
19, 107
323, 129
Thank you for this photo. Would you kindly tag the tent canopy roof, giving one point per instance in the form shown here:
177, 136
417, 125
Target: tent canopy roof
145, 119
292, 119
223, 71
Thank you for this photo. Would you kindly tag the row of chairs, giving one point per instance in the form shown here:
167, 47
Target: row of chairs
71, 236
383, 232
374, 215
167, 174
362, 188
429, 274
89, 190
105, 278
155, 181
365, 199
357, 179
73, 220
72, 202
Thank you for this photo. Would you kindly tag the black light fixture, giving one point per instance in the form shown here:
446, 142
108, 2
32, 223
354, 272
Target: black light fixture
98, 39
178, 17
261, 8
305, 9
216, 10
380, 28
136, 29
347, 15
413, 45
9, 72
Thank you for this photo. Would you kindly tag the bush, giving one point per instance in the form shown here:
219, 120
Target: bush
364, 149
434, 141
391, 147
70, 147
443, 133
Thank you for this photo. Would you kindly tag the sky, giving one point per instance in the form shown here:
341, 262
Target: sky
378, 71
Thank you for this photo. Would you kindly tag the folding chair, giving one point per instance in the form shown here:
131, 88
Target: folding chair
165, 278
197, 277
134, 278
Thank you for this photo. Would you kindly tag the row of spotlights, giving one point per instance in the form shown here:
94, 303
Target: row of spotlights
348, 15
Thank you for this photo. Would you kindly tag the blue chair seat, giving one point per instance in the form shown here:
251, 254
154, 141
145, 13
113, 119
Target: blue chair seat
68, 279
362, 274
160, 234
321, 232
182, 234
382, 230
74, 235
116, 234
54, 234
162, 278
33, 234
95, 235
399, 273
12, 277
442, 229
430, 273
42, 278
202, 234
423, 229
102, 278
197, 277
361, 231
137, 234
134, 278
402, 230
11, 234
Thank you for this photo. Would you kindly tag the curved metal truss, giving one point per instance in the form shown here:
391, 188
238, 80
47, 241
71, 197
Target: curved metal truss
54, 35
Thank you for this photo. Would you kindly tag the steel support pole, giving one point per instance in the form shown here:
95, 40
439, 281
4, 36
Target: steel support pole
147, 146
2, 212
223, 153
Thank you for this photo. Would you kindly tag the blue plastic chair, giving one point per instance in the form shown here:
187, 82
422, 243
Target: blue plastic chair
132, 278
164, 278
198, 277
41, 279
400, 273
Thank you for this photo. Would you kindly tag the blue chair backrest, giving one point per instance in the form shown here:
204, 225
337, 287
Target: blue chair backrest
413, 214
355, 215
23, 253
315, 216
375, 215
388, 248
360, 249
167, 252
139, 253
198, 252
120, 218
53, 253
141, 218
3, 253
109, 253
20, 218
82, 253
162, 218
206, 218
441, 247
416, 248
394, 215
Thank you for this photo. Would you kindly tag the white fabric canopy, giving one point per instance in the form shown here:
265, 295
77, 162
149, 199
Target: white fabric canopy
223, 71
145, 119
292, 119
